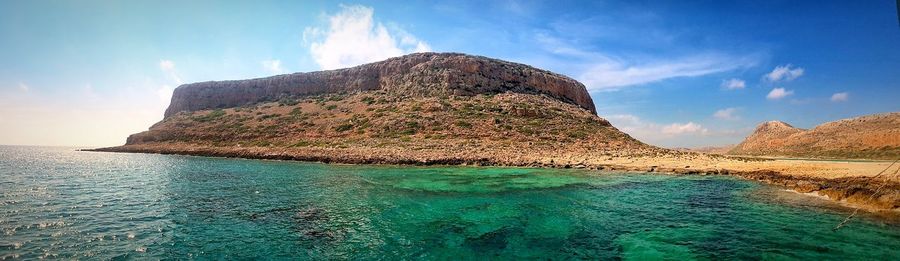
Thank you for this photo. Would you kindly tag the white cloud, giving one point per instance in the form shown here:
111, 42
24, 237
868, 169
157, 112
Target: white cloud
686, 128
24, 87
726, 114
625, 118
778, 93
165, 93
733, 83
784, 72
674, 134
168, 67
635, 126
273, 66
840, 97
611, 74
353, 38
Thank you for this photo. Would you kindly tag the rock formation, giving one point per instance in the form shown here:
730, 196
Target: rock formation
420, 74
427, 107
871, 137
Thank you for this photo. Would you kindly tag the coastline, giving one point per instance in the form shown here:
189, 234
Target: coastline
849, 183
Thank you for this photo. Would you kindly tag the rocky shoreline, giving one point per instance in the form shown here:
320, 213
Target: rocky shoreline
871, 194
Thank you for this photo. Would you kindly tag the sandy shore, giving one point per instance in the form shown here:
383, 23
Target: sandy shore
855, 183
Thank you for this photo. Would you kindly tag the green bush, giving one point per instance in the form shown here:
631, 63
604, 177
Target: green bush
296, 111
288, 102
343, 127
464, 124
210, 116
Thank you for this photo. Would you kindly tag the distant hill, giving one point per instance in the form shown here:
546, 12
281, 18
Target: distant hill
866, 137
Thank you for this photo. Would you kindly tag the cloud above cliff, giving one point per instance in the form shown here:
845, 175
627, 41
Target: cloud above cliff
164, 92
273, 66
353, 37
168, 68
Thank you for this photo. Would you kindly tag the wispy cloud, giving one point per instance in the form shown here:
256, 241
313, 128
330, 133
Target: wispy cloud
726, 114
778, 93
24, 87
353, 37
602, 71
784, 72
273, 66
617, 74
733, 84
168, 67
840, 97
164, 91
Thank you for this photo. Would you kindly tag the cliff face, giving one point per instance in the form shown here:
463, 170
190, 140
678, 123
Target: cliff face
421, 75
872, 137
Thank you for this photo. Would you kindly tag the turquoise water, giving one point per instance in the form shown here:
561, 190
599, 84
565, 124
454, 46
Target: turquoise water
57, 202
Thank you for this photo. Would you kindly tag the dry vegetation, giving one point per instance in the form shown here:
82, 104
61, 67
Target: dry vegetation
507, 123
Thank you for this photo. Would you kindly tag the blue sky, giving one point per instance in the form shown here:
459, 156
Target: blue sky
671, 73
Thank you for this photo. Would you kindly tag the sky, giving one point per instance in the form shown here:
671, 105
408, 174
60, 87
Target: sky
670, 73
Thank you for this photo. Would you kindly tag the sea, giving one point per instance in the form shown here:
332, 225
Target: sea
62, 203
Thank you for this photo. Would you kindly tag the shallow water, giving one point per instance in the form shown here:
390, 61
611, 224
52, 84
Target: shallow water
57, 202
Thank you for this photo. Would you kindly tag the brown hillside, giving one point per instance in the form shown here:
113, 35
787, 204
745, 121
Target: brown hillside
867, 137
508, 126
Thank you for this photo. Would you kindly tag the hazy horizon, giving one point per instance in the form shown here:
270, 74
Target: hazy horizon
89, 73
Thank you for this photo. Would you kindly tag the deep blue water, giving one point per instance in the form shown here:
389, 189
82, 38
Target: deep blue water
58, 202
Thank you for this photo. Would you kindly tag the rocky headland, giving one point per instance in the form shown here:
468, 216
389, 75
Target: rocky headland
453, 109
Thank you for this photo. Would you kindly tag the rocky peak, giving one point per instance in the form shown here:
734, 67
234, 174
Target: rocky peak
771, 126
420, 74
773, 129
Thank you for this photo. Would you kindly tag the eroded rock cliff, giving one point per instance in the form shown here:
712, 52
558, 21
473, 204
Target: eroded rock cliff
420, 74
